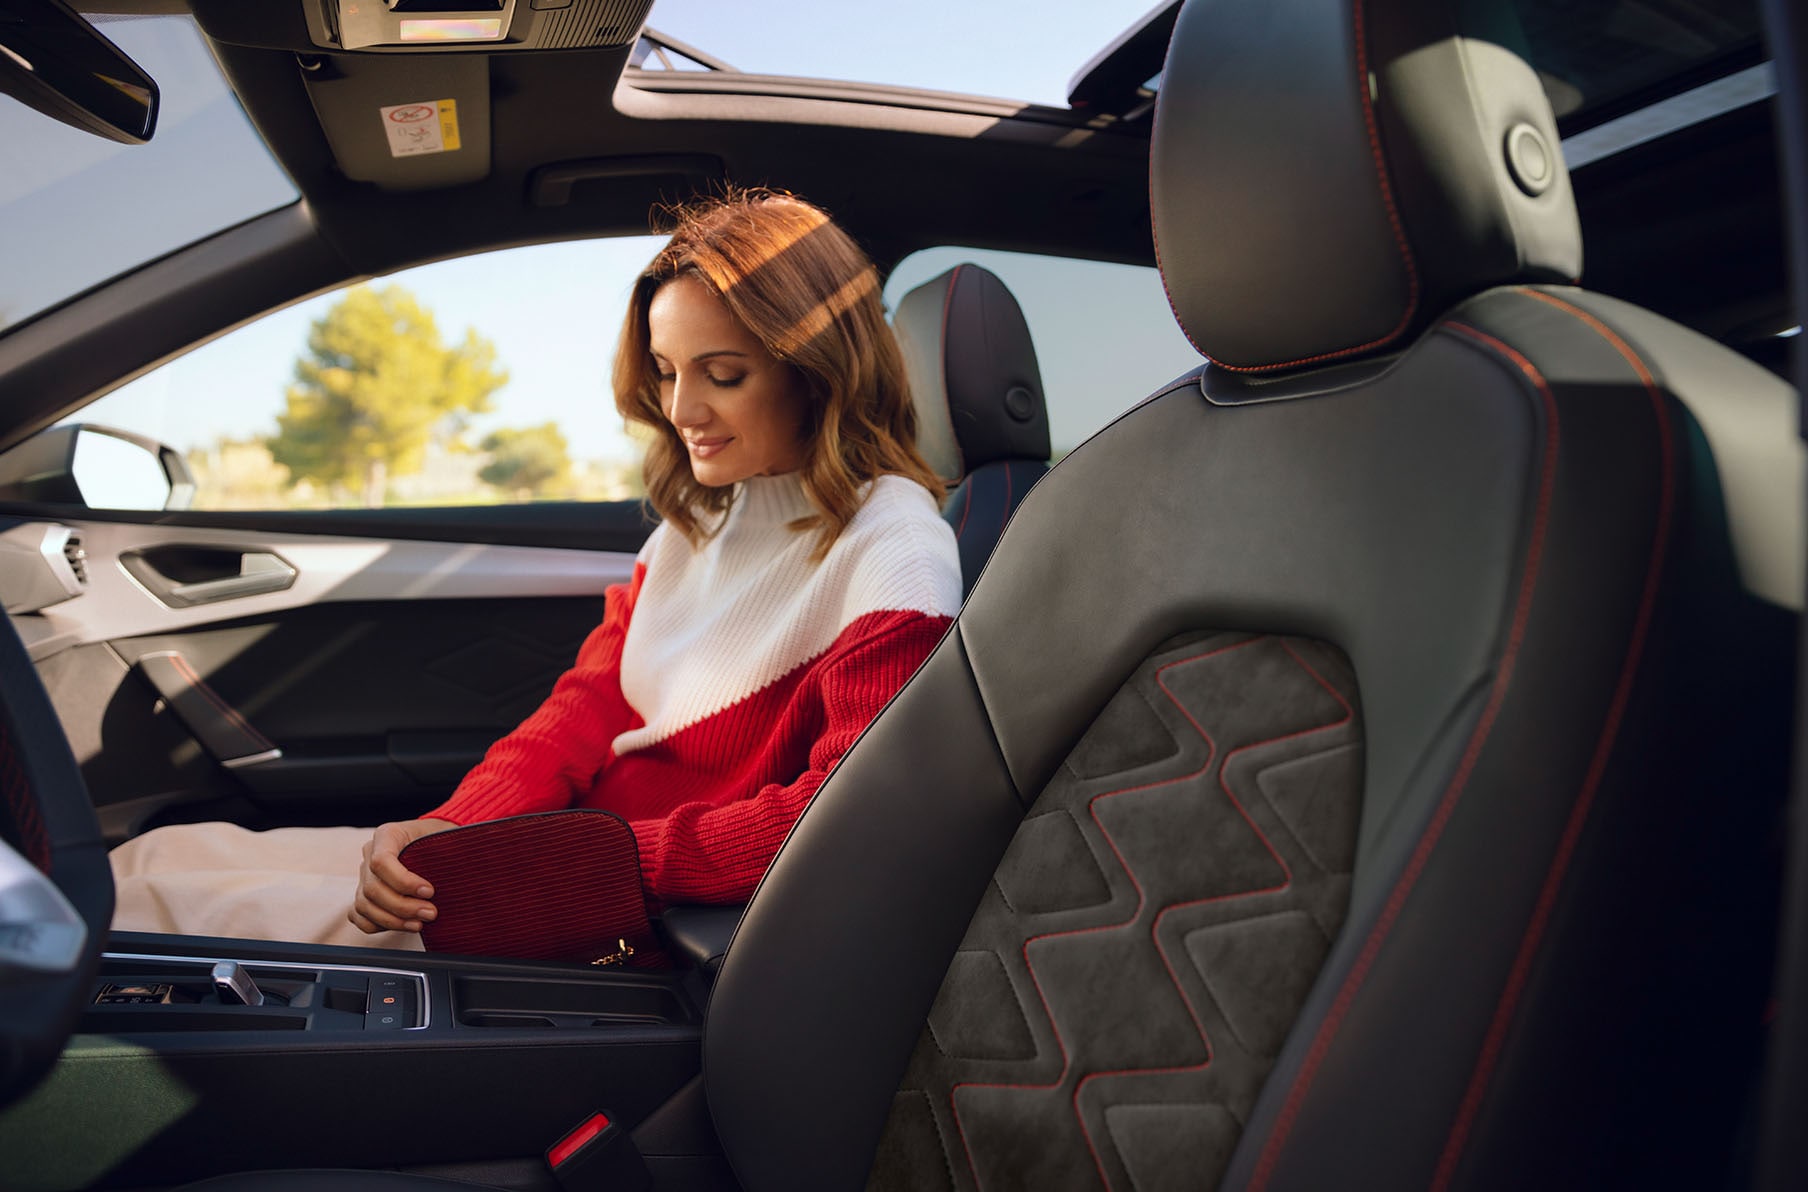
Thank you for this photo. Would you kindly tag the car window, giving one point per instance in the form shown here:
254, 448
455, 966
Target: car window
479, 380
1104, 335
76, 210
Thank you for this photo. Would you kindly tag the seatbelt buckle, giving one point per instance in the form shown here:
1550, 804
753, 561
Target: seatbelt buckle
598, 1156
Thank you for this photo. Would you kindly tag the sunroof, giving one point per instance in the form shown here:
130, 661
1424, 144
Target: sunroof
1602, 58
1023, 51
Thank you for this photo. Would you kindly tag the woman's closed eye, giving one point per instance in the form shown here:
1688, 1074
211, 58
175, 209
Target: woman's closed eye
728, 381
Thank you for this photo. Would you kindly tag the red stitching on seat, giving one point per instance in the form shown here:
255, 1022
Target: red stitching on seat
1572, 830
960, 453
1155, 926
1434, 829
28, 821
1393, 218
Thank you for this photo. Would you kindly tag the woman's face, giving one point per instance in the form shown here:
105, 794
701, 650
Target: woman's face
739, 409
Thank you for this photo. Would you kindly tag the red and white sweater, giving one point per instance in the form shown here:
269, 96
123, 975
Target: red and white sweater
726, 681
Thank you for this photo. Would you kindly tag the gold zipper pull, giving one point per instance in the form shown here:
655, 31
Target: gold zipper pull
622, 952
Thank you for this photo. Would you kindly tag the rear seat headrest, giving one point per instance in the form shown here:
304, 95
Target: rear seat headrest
973, 373
1328, 176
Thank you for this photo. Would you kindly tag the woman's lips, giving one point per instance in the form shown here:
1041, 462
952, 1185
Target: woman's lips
704, 448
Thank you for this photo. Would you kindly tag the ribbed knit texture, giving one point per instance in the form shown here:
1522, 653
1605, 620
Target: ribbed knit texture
725, 682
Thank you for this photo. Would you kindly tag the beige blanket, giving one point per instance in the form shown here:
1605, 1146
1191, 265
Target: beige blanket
218, 879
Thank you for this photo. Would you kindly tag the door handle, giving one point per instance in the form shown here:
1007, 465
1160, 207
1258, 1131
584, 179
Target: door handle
184, 576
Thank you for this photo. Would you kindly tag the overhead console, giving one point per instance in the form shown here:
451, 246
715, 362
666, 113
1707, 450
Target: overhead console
439, 25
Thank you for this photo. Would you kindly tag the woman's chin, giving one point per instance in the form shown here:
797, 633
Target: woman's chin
712, 473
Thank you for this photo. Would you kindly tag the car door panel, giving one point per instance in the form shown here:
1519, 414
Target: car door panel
361, 687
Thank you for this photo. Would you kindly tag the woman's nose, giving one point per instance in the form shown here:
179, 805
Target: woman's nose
687, 407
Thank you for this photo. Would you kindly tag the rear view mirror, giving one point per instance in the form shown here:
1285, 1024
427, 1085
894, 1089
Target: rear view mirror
99, 467
53, 60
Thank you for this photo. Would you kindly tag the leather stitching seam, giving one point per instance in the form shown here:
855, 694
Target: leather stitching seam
1446, 806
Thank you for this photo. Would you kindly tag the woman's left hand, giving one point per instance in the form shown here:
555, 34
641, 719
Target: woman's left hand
389, 897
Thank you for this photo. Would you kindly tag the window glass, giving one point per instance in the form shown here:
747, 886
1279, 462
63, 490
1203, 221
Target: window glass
480, 380
76, 210
1595, 55
1016, 49
1105, 336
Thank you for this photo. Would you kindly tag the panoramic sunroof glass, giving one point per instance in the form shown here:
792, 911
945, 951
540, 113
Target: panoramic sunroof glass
1600, 58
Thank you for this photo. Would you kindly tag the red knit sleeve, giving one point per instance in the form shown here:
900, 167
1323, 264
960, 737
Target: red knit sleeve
548, 762
702, 852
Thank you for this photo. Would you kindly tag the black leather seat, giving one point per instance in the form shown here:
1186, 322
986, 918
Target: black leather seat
981, 412
1375, 797
1352, 768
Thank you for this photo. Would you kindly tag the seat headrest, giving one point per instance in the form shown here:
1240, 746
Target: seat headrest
973, 372
1329, 176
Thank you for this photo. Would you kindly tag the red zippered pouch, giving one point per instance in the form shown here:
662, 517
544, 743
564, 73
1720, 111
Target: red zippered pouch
560, 885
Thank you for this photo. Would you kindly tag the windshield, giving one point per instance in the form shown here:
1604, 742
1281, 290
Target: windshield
76, 210
1012, 49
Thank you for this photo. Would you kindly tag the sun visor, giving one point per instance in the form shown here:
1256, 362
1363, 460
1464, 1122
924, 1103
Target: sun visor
405, 123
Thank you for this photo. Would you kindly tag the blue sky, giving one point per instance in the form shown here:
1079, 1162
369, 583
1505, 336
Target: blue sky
557, 348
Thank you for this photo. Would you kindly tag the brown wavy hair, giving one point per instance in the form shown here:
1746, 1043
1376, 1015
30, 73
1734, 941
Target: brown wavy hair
809, 294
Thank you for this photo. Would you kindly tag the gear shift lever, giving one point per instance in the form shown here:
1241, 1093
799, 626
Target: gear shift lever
235, 986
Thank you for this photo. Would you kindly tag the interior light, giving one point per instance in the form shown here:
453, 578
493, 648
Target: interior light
1796, 330
452, 29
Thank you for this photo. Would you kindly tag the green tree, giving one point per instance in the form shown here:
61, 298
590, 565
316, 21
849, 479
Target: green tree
526, 461
374, 386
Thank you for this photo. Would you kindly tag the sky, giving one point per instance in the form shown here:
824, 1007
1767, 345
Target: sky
557, 348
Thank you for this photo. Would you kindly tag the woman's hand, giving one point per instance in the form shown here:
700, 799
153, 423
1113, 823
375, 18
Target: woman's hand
390, 898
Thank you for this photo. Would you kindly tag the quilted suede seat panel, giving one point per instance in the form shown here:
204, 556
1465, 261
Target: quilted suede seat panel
1150, 934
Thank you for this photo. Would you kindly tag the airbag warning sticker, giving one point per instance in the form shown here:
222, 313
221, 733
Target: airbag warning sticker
415, 128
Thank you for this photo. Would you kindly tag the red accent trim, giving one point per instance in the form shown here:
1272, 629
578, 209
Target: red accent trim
1154, 233
1155, 927
573, 1142
1434, 830
1572, 831
1393, 218
960, 453
27, 820
966, 508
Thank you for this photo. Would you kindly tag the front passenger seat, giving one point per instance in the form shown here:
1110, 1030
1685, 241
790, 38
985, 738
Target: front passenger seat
982, 421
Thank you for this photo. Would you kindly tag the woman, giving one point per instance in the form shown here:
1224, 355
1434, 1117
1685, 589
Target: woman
800, 575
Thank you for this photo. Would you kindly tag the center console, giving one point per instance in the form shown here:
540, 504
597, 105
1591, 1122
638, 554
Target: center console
196, 1056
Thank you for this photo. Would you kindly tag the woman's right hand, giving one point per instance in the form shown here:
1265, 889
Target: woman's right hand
389, 897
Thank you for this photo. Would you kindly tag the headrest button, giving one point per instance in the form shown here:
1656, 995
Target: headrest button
1529, 159
1020, 403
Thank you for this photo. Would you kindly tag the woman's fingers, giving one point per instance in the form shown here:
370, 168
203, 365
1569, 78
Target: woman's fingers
388, 868
381, 896
370, 919
389, 896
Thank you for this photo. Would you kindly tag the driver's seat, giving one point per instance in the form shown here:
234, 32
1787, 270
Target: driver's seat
1350, 769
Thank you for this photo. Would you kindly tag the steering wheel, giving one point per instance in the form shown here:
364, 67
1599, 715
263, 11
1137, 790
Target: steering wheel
56, 888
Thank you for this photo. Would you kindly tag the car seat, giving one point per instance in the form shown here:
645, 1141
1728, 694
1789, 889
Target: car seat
981, 413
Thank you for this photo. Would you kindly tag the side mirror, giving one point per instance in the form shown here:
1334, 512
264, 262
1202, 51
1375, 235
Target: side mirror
53, 60
98, 467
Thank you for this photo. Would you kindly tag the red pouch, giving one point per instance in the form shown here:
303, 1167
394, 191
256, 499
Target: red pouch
561, 885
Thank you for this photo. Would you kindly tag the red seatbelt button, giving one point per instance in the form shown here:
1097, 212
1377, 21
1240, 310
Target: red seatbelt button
598, 1156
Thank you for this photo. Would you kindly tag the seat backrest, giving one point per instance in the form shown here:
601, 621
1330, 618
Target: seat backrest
981, 415
1372, 800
